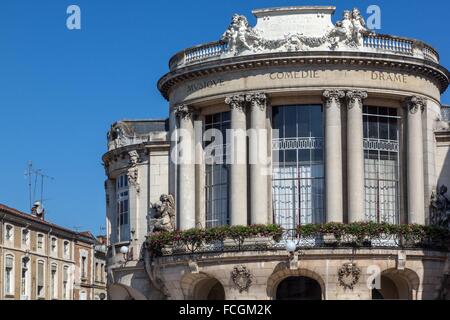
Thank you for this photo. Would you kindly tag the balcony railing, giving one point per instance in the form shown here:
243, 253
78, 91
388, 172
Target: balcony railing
376, 43
274, 238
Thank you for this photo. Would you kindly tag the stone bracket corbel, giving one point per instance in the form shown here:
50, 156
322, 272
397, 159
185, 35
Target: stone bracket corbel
193, 267
294, 262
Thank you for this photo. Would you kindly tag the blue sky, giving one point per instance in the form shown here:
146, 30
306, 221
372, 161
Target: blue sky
60, 90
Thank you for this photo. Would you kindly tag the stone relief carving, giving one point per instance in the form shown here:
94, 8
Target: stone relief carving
242, 278
164, 217
440, 208
348, 275
348, 32
415, 103
333, 97
118, 135
355, 98
133, 171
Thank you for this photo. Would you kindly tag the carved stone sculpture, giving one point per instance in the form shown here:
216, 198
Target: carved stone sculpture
164, 215
348, 33
242, 278
133, 171
348, 275
440, 208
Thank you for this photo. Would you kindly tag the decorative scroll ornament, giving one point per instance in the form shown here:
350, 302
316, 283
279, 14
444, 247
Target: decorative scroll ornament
257, 100
133, 171
348, 275
236, 102
355, 98
415, 103
184, 111
333, 97
119, 135
241, 38
164, 217
242, 278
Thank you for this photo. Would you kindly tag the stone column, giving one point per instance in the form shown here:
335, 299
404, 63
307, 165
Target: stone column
333, 156
258, 157
355, 156
415, 168
200, 169
238, 160
186, 163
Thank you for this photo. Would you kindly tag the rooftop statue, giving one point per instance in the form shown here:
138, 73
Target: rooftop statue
243, 39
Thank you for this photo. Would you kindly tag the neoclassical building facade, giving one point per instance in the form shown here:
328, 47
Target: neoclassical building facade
351, 129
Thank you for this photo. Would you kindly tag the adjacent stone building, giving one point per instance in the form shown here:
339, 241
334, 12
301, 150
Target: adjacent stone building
353, 131
137, 166
42, 261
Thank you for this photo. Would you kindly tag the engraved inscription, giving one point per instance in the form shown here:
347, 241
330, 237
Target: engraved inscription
389, 76
205, 84
306, 74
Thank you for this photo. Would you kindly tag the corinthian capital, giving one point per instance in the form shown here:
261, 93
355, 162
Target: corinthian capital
355, 98
236, 102
258, 99
415, 103
184, 111
333, 96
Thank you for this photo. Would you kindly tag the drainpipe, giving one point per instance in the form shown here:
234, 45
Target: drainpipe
2, 258
48, 278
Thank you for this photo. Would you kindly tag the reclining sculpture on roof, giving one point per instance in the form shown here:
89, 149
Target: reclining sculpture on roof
241, 38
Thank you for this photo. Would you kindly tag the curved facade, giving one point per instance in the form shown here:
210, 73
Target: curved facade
330, 123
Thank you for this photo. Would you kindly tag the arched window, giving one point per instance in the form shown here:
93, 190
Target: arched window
9, 275
9, 233
298, 165
54, 281
66, 288
24, 279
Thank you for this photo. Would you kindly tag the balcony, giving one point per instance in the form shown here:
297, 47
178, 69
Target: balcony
372, 43
274, 238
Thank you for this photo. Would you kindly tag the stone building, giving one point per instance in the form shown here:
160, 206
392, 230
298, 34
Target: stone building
40, 260
137, 166
352, 125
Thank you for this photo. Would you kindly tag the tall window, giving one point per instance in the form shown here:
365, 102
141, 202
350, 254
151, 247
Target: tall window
54, 243
66, 283
40, 278
123, 208
217, 174
381, 164
25, 237
9, 275
298, 165
83, 267
40, 241
66, 248
53, 281
24, 282
9, 232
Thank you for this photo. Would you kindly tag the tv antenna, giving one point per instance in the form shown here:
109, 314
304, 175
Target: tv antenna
36, 176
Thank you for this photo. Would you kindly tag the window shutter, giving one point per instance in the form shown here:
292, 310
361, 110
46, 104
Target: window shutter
66, 274
40, 274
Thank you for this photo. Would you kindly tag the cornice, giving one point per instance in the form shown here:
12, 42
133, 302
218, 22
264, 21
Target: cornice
122, 152
421, 67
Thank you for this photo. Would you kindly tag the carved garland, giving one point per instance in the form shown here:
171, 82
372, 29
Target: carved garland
348, 275
242, 278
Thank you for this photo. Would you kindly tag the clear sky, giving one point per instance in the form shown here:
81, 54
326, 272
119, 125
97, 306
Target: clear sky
60, 90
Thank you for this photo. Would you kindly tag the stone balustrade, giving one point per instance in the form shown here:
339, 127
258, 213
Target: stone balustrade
372, 43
